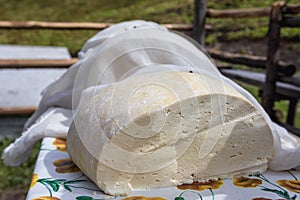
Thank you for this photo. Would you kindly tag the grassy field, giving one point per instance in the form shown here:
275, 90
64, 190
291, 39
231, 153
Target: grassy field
171, 11
16, 176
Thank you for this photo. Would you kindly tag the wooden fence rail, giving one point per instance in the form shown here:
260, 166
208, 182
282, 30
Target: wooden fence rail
22, 110
238, 13
286, 69
252, 12
37, 63
292, 22
75, 25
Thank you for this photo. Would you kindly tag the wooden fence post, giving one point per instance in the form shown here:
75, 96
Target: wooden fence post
292, 111
269, 89
200, 10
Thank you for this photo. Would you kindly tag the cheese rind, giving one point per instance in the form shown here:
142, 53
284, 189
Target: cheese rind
165, 129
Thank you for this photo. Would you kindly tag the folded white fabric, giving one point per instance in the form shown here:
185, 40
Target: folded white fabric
55, 122
123, 50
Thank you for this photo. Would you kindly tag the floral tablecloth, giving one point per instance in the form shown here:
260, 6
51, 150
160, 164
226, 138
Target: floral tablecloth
57, 177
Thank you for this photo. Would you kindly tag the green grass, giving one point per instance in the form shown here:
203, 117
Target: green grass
11, 177
172, 11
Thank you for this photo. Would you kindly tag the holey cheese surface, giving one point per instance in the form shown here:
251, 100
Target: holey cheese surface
163, 129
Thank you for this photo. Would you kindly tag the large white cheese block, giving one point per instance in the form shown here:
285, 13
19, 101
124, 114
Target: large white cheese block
164, 129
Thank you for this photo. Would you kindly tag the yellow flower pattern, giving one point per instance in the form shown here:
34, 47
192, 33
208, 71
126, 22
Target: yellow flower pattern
291, 185
46, 198
34, 180
202, 185
143, 198
60, 144
245, 182
66, 165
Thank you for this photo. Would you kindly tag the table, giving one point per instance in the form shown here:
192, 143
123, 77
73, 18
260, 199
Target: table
57, 177
21, 88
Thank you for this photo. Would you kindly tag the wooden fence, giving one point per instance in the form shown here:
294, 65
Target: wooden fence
277, 72
202, 12
279, 14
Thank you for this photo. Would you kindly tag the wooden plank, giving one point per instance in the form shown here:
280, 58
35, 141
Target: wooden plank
251, 12
291, 22
37, 63
18, 110
235, 58
292, 9
292, 80
258, 79
13, 51
239, 13
53, 25
284, 68
74, 25
23, 87
248, 77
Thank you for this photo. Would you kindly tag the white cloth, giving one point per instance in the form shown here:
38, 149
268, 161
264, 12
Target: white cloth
55, 122
122, 50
